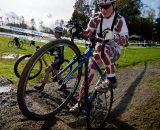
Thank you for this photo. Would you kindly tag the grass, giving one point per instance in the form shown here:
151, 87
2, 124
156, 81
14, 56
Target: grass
14, 50
130, 56
7, 64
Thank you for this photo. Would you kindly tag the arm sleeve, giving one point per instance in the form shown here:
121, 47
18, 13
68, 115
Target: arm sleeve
124, 30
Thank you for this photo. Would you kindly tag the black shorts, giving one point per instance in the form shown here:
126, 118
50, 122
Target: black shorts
57, 63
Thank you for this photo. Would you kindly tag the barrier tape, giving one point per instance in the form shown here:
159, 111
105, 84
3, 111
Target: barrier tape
33, 32
38, 36
37, 39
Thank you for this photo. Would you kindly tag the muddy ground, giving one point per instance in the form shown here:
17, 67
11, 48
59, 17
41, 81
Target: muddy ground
136, 104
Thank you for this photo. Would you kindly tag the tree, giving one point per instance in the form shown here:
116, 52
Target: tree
157, 30
79, 18
59, 22
159, 10
1, 20
80, 13
130, 9
33, 23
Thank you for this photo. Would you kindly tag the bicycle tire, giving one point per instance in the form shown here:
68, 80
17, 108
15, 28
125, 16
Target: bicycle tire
97, 113
21, 44
19, 63
48, 103
10, 44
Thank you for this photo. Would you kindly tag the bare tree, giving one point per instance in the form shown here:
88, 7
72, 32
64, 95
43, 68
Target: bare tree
1, 20
33, 23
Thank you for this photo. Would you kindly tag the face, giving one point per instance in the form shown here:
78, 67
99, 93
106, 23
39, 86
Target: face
57, 34
107, 10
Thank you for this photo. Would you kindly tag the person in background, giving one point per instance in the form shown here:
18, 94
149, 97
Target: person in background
32, 43
16, 39
55, 65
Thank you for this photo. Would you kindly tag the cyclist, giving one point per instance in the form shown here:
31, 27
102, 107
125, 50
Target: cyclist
16, 39
108, 53
55, 65
32, 43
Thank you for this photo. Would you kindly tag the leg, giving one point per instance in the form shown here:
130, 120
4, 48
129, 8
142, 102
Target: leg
92, 69
56, 67
110, 56
45, 79
17, 44
46, 75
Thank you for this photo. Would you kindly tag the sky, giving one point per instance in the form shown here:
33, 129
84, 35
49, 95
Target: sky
46, 10
155, 4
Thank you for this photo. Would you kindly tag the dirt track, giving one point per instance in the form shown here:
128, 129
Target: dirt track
133, 94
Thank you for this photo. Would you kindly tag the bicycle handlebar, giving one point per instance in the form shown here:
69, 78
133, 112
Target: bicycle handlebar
107, 34
93, 40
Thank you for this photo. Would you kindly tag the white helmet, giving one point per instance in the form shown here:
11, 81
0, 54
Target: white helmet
58, 29
105, 2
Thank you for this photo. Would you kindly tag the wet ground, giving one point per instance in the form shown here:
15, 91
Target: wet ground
131, 98
9, 56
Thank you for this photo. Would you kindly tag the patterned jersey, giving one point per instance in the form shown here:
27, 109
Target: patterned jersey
120, 26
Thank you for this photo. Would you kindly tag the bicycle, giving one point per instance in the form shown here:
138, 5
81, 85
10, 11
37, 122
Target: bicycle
21, 62
41, 106
13, 42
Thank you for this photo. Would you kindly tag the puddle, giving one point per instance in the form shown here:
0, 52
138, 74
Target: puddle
5, 89
10, 56
5, 85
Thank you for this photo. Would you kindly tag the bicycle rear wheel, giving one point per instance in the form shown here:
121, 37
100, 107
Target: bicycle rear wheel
22, 61
10, 44
99, 109
43, 105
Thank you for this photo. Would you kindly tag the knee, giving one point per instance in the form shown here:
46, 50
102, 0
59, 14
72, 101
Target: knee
48, 69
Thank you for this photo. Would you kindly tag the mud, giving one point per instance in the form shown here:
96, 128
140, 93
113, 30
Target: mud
134, 92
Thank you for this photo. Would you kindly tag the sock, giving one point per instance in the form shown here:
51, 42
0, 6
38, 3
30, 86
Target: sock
42, 85
112, 79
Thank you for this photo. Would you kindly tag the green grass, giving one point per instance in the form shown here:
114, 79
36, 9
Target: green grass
130, 56
7, 65
14, 50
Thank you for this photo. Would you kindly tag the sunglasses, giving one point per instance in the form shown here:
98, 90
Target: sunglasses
105, 6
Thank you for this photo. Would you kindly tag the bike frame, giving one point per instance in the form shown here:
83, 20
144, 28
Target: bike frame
83, 58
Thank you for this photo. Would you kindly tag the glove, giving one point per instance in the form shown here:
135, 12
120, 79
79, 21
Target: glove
122, 40
86, 33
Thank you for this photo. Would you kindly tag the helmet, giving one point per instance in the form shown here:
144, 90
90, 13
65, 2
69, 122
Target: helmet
105, 2
58, 29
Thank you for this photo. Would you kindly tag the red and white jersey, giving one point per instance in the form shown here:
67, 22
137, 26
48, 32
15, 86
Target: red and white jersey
120, 26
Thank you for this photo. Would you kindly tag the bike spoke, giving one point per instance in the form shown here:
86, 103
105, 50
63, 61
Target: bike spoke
56, 94
100, 109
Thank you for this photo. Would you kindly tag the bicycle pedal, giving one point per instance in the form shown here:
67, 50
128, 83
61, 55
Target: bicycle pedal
62, 87
60, 82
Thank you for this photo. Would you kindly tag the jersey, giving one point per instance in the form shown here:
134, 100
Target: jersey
119, 28
59, 57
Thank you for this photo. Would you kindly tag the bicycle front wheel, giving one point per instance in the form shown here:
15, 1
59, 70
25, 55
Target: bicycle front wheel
45, 104
21, 43
22, 61
99, 109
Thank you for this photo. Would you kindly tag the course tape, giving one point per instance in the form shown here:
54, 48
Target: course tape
38, 36
33, 32
35, 38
